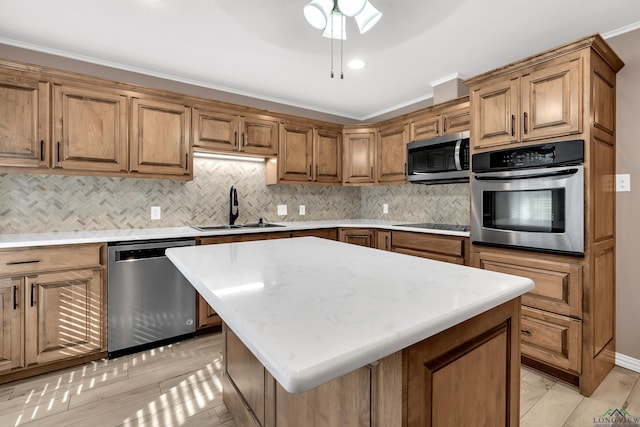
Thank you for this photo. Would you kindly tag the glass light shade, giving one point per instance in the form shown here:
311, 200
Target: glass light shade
339, 23
367, 18
317, 13
351, 7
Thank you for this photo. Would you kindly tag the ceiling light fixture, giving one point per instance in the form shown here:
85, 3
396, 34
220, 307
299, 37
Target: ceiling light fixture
331, 16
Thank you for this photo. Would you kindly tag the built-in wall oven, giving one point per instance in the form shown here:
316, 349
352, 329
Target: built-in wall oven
530, 197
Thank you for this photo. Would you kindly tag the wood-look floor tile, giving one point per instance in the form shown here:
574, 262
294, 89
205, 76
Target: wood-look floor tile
616, 386
532, 388
633, 401
6, 394
553, 409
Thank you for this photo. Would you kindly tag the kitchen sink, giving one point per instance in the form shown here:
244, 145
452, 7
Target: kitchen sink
232, 227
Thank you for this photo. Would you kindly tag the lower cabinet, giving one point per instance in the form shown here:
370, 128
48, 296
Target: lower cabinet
358, 236
454, 249
52, 308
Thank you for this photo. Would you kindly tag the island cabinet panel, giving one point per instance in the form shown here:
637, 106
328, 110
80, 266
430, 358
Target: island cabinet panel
453, 249
11, 324
206, 316
160, 138
466, 375
24, 122
90, 129
52, 308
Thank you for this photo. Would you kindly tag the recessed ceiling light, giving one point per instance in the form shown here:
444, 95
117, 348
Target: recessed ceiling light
356, 64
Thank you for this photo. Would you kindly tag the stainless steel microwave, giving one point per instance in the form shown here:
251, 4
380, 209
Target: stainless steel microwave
440, 160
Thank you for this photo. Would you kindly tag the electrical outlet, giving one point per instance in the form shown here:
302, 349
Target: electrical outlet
623, 182
385, 208
301, 210
282, 210
156, 213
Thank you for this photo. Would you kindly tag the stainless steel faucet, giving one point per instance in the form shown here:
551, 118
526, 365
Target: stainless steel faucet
233, 203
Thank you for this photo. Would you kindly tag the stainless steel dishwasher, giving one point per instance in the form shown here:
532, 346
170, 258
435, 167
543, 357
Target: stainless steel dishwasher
149, 301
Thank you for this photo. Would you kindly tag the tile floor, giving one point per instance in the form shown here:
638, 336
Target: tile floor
179, 385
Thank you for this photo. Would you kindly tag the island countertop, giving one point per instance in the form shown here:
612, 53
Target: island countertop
312, 310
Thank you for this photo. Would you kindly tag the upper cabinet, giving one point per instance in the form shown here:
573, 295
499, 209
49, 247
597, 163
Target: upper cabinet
89, 129
160, 138
223, 131
24, 122
392, 153
537, 102
359, 155
442, 119
307, 154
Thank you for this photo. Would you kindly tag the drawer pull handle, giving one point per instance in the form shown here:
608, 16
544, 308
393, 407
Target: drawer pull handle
34, 261
42, 150
15, 297
526, 332
526, 119
513, 125
32, 289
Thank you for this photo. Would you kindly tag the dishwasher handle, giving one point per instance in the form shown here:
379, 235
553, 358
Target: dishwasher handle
145, 250
133, 254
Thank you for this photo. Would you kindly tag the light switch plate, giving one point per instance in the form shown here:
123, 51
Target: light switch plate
156, 213
623, 182
385, 208
282, 210
301, 210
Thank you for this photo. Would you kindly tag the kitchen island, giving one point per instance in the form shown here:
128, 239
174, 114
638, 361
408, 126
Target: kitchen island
319, 332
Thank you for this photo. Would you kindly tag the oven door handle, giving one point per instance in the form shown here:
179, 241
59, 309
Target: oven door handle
565, 172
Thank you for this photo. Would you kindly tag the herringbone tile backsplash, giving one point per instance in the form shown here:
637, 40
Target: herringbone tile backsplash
43, 203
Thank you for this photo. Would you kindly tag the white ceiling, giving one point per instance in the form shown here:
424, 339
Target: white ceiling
266, 49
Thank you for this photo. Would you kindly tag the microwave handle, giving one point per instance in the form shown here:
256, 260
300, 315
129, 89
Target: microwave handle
565, 172
456, 155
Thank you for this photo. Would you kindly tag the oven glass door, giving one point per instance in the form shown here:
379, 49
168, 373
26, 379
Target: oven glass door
533, 209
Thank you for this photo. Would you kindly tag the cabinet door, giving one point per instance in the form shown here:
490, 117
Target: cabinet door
495, 111
551, 101
437, 247
64, 315
206, 316
215, 130
457, 120
357, 236
392, 154
11, 325
259, 135
295, 154
425, 127
90, 129
160, 138
359, 157
24, 122
383, 240
328, 155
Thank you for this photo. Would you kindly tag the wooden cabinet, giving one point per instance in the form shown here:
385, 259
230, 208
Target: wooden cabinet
392, 154
446, 118
358, 236
160, 138
552, 312
454, 249
206, 316
323, 233
539, 102
52, 308
295, 153
24, 121
327, 155
383, 240
359, 156
220, 130
89, 129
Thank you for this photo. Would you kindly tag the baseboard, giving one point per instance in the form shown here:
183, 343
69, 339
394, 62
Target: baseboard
628, 362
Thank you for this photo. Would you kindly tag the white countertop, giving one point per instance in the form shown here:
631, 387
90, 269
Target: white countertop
312, 310
67, 238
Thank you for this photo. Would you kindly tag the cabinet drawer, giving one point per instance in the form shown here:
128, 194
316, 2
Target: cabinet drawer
412, 243
558, 284
33, 260
551, 338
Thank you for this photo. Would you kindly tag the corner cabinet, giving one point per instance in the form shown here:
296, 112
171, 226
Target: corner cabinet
24, 121
359, 156
160, 138
52, 308
568, 321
